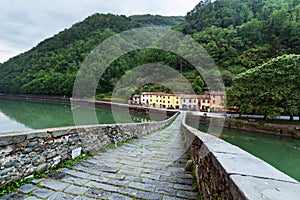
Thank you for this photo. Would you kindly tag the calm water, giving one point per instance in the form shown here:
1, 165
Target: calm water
16, 115
282, 153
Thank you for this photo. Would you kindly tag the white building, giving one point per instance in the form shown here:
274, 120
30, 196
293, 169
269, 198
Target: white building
190, 102
145, 97
136, 99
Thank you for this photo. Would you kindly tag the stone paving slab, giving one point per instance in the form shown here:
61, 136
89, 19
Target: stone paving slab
151, 167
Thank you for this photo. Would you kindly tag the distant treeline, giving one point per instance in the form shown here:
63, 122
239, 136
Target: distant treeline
238, 34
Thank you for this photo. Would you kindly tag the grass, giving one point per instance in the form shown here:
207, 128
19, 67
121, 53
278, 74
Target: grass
274, 121
193, 173
67, 163
17, 184
125, 141
11, 187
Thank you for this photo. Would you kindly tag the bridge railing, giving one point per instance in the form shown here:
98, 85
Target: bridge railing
24, 153
227, 172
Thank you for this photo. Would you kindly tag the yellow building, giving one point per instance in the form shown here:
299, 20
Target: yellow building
204, 100
161, 100
155, 99
171, 101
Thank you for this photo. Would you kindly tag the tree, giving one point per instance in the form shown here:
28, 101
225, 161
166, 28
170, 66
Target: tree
198, 85
270, 89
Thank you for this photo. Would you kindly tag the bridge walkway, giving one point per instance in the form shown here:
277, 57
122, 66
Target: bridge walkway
151, 167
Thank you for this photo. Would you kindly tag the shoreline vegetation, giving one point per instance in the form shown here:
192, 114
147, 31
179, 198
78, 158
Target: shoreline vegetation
278, 128
266, 127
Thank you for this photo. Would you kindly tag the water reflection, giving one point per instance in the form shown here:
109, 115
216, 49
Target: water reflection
18, 115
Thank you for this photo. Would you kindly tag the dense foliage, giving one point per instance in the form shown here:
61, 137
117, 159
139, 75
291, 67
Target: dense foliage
157, 20
51, 67
242, 34
270, 89
238, 34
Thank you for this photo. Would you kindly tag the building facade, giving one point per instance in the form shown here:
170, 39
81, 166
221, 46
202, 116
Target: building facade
217, 99
190, 102
204, 102
162, 100
214, 101
136, 99
146, 96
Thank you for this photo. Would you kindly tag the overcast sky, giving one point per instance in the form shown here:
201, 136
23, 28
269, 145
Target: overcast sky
24, 23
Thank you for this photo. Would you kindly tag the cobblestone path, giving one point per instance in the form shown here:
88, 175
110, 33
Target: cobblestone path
151, 167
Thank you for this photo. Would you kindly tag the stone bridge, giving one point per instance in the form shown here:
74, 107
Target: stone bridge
150, 167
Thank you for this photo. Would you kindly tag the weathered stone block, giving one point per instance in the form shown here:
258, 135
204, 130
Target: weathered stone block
8, 140
39, 134
27, 150
32, 144
41, 168
51, 154
10, 163
59, 133
38, 160
6, 170
76, 152
6, 149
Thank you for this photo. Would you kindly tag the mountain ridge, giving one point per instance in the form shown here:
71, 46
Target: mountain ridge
236, 33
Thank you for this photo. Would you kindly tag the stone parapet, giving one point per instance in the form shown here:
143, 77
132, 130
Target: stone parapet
24, 153
224, 171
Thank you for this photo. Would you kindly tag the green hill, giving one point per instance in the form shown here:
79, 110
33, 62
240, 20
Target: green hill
242, 34
51, 66
157, 20
238, 34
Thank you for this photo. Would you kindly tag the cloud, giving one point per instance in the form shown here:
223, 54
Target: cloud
23, 24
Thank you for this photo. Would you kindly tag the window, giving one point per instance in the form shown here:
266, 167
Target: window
207, 101
195, 100
168, 97
190, 100
203, 101
214, 101
183, 100
168, 101
176, 102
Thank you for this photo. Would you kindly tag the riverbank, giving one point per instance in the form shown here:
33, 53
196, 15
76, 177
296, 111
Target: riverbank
100, 104
32, 97
279, 130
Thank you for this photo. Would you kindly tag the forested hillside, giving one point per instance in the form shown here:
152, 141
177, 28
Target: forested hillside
270, 89
157, 20
242, 34
51, 66
238, 34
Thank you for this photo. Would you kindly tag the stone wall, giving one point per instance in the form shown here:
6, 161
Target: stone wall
24, 153
224, 171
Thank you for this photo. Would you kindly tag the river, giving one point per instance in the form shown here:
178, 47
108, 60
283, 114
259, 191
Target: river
17, 115
282, 153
